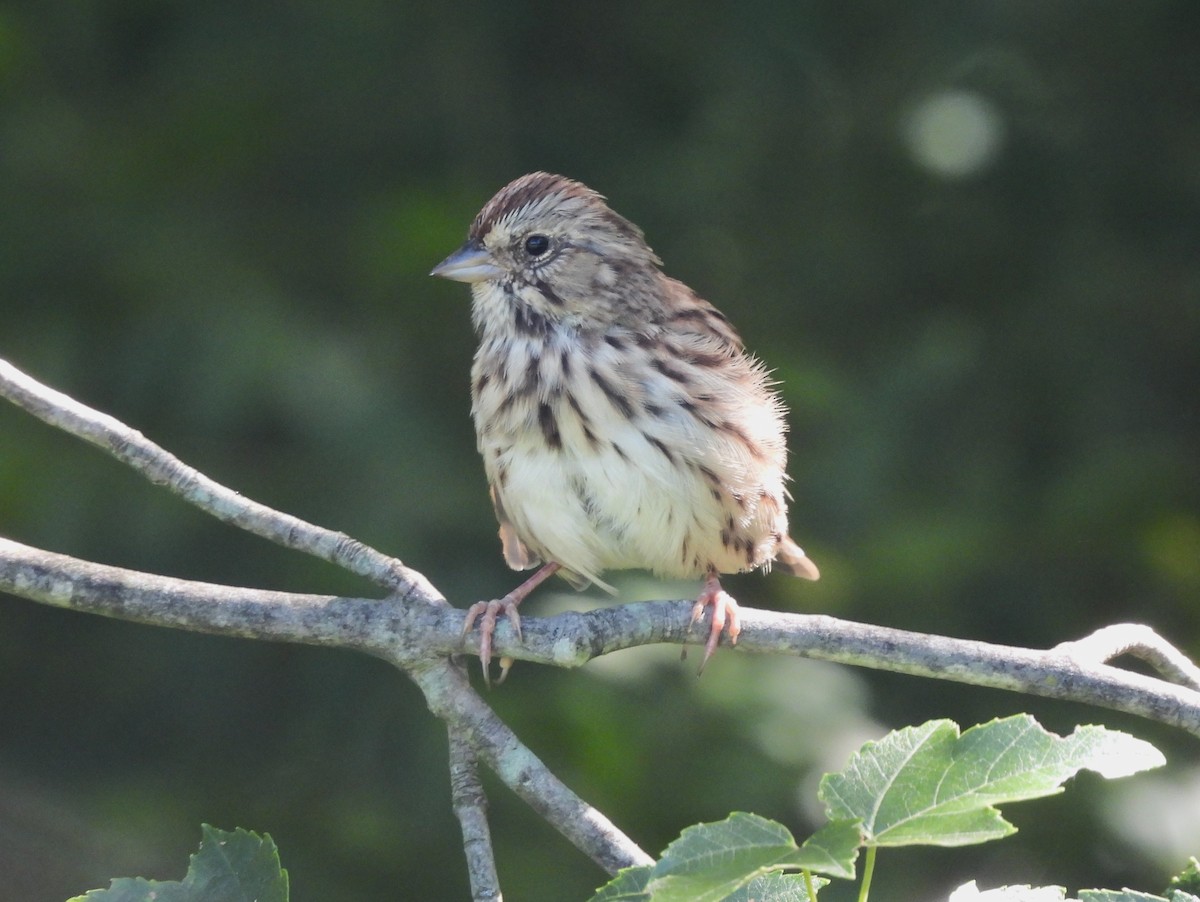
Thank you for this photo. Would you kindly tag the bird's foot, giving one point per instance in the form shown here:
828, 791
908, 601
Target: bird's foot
488, 612
724, 616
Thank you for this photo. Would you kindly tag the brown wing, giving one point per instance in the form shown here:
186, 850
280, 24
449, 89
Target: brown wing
688, 313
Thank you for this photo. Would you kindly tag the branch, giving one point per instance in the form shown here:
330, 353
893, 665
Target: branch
470, 807
413, 636
1137, 641
162, 468
451, 698
417, 638
416, 630
388, 629
572, 639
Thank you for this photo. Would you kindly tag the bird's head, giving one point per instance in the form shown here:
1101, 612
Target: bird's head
554, 247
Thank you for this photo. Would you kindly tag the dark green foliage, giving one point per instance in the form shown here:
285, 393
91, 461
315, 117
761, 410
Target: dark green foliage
215, 224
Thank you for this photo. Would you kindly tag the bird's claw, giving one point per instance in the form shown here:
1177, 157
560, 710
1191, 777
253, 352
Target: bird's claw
487, 612
725, 618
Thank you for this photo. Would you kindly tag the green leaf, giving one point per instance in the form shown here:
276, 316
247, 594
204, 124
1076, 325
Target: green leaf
228, 867
135, 889
929, 785
628, 886
710, 862
832, 849
775, 888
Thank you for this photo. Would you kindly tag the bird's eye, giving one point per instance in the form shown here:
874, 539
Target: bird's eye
536, 245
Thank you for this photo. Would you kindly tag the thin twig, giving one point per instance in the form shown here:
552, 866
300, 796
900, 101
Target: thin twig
1138, 641
163, 468
470, 807
451, 698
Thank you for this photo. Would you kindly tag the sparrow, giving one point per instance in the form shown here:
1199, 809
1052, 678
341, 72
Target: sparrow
621, 421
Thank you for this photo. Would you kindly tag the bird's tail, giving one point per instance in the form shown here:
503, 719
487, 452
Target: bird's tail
791, 557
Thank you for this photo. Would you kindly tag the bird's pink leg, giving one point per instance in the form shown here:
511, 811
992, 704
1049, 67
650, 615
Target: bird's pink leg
724, 614
486, 613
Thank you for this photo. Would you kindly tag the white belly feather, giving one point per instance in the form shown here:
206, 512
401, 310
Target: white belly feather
622, 474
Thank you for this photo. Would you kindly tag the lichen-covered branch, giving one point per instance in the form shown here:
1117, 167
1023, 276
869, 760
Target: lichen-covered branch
469, 802
1137, 641
572, 639
162, 468
418, 638
413, 636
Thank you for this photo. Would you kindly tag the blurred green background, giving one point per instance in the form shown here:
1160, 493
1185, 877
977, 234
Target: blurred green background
964, 234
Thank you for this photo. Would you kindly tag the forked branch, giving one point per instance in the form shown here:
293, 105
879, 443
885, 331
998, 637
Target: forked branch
416, 630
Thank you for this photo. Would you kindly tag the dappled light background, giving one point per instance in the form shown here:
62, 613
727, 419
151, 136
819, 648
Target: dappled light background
964, 235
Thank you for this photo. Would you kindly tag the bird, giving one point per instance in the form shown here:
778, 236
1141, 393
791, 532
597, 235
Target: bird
621, 421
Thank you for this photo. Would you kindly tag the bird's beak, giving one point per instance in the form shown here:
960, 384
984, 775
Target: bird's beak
470, 263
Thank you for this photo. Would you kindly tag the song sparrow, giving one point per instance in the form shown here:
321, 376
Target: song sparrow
622, 423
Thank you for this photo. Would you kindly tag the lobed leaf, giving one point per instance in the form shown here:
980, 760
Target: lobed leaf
228, 867
628, 886
930, 785
775, 888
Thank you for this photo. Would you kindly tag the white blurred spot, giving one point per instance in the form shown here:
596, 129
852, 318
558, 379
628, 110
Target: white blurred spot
969, 892
954, 133
1160, 815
